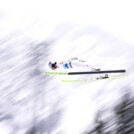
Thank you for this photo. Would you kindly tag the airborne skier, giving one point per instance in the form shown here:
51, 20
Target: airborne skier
69, 64
75, 63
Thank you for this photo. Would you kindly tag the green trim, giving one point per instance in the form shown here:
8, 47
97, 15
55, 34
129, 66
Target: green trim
74, 80
55, 73
85, 80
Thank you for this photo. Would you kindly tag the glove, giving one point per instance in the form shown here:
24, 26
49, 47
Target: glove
61, 62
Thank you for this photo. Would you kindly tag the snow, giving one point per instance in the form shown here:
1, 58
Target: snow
32, 32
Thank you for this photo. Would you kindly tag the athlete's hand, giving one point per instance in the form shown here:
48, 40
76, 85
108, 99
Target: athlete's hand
61, 62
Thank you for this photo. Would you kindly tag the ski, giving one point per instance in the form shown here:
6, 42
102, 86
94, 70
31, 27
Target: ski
97, 72
94, 78
82, 73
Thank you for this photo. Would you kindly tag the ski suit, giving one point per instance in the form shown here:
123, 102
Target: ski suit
75, 63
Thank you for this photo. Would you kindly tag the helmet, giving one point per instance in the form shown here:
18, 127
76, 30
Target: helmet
52, 65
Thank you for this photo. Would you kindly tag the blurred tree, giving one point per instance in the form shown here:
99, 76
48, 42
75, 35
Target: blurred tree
125, 114
99, 125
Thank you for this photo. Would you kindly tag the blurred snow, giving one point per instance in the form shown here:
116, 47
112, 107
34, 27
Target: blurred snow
32, 32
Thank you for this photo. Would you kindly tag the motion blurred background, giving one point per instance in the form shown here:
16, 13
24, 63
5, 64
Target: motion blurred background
33, 32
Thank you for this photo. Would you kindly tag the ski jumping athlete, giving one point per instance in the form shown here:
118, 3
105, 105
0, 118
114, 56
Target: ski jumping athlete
72, 63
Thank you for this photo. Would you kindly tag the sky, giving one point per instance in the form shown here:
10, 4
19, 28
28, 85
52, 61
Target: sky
115, 17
